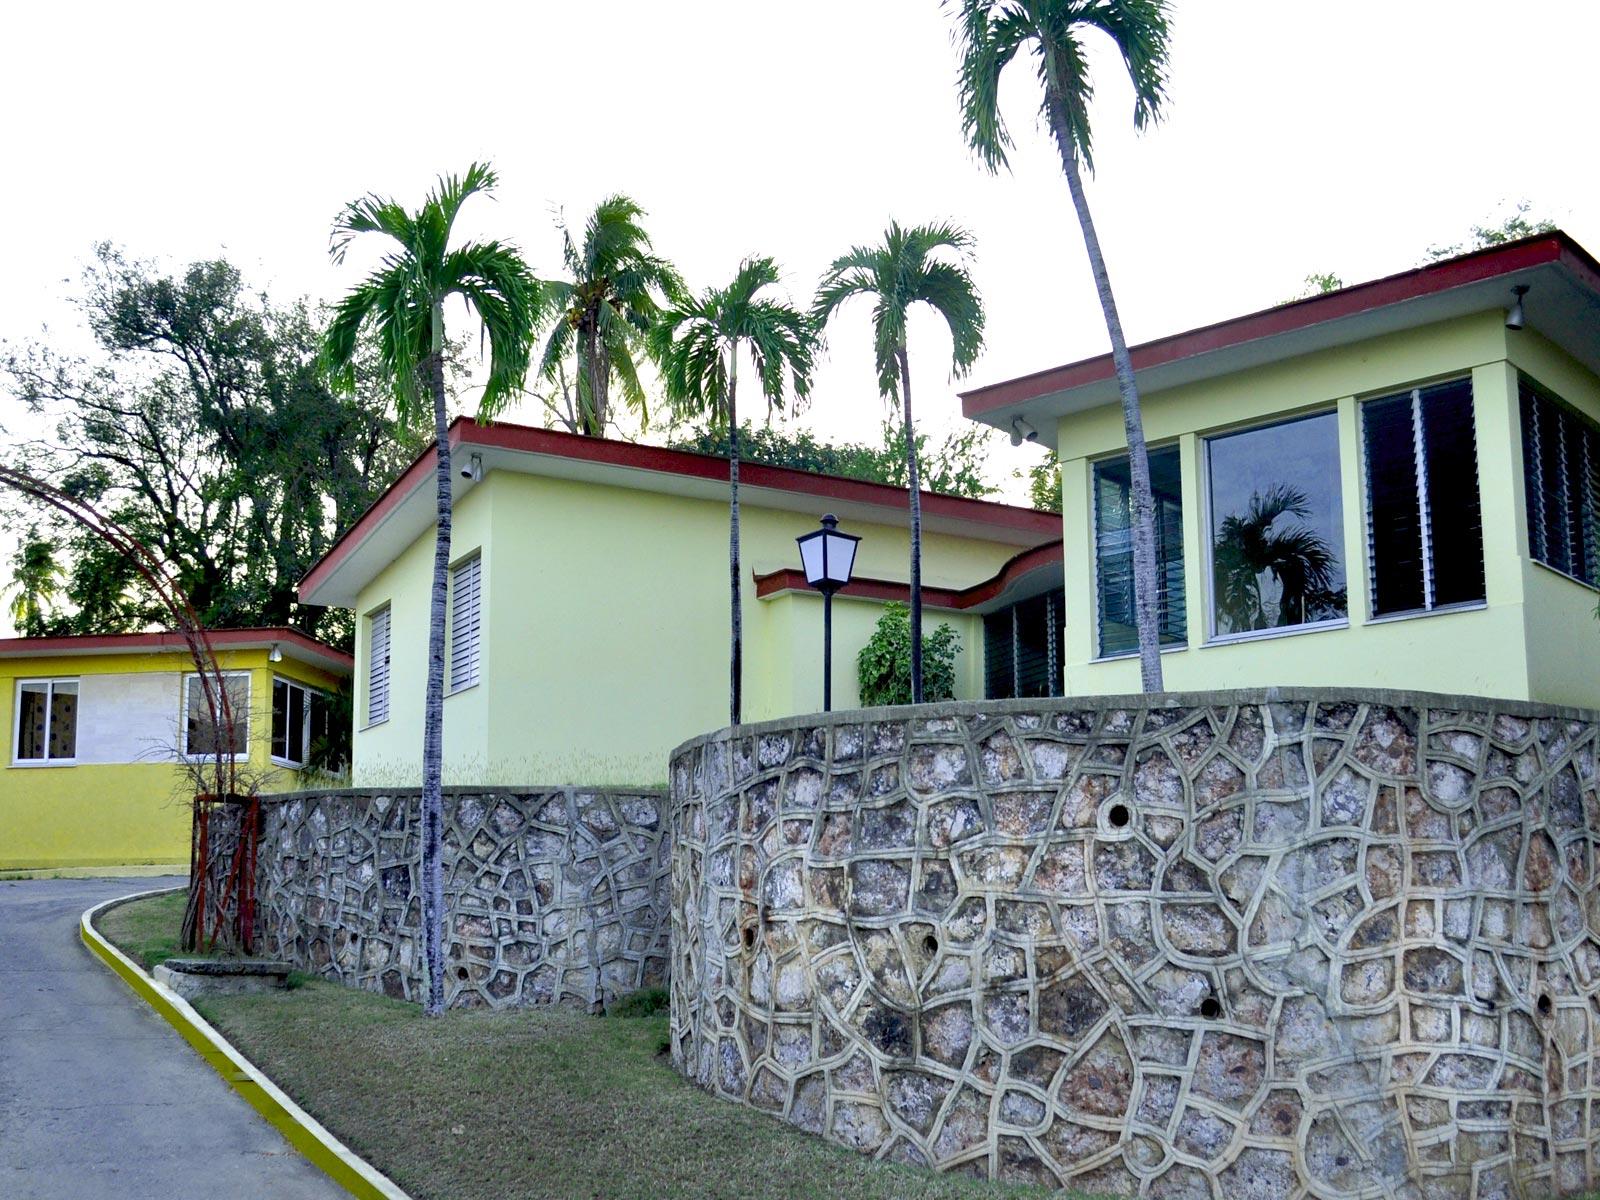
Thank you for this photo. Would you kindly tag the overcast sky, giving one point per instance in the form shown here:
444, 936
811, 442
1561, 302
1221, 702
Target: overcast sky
1304, 136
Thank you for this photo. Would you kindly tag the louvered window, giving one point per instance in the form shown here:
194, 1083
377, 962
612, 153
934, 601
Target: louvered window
1561, 470
378, 667
1021, 645
465, 596
1424, 522
1117, 631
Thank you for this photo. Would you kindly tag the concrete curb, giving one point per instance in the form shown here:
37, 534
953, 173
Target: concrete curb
303, 1131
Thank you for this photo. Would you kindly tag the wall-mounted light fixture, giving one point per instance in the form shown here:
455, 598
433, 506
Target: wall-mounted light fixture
473, 469
1021, 432
1515, 317
275, 654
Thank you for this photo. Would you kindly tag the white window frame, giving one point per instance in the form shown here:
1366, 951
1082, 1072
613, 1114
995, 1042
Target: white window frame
16, 722
474, 670
305, 720
385, 611
183, 717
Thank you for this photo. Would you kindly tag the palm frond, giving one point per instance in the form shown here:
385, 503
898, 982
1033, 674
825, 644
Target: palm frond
986, 42
497, 284
1141, 31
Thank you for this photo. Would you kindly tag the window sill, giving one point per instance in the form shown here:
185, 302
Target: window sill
1267, 635
286, 764
1559, 573
31, 764
1441, 610
471, 687
373, 724
1125, 655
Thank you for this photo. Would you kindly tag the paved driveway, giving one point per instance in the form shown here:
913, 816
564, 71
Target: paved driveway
99, 1097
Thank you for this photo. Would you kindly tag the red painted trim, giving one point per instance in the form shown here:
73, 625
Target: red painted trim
113, 643
1536, 251
791, 579
528, 440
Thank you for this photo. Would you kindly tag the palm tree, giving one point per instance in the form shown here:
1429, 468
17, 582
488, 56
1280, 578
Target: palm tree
36, 582
1249, 548
402, 305
697, 342
990, 34
900, 272
606, 309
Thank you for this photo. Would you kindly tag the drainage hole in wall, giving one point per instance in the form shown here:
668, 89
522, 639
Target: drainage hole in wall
930, 945
1118, 815
1211, 1008
461, 972
1544, 1005
749, 937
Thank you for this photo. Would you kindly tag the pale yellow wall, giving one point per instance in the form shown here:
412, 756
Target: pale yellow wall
1516, 646
605, 625
106, 814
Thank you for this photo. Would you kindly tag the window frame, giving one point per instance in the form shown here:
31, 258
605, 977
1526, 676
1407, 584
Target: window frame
305, 720
183, 718
1546, 395
385, 610
452, 688
1208, 536
1174, 647
50, 682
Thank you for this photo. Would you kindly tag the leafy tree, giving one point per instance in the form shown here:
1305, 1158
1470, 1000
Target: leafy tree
990, 34
35, 586
1517, 225
954, 468
884, 664
697, 342
1256, 545
903, 271
1044, 483
201, 424
401, 305
604, 312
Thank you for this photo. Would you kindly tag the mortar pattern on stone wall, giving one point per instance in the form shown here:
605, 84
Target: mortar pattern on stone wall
1338, 949
554, 895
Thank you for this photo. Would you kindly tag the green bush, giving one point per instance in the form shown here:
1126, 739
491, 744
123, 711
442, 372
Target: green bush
884, 663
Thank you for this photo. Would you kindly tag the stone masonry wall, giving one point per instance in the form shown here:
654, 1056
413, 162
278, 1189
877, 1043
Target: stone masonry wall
1237, 946
554, 895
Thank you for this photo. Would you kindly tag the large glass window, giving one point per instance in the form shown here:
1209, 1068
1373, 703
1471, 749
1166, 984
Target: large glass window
1022, 648
1424, 523
299, 721
1277, 540
47, 720
1117, 631
203, 736
1561, 471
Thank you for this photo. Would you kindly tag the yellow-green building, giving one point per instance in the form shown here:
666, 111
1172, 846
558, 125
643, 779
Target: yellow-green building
589, 624
98, 726
1393, 485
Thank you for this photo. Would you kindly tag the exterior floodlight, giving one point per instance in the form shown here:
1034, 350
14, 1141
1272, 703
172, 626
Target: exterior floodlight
827, 557
1515, 317
473, 469
275, 654
1021, 432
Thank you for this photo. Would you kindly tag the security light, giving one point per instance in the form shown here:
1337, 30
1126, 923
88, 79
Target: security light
473, 469
275, 654
1021, 432
1515, 317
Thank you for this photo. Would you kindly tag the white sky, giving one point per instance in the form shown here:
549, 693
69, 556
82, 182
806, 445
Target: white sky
1302, 135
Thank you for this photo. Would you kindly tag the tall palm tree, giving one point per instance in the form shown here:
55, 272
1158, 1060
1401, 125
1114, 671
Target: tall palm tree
697, 343
1252, 545
36, 584
900, 272
606, 309
402, 305
990, 34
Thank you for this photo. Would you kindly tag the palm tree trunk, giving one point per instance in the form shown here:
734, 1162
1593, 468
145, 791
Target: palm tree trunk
736, 648
598, 374
1146, 593
433, 699
916, 529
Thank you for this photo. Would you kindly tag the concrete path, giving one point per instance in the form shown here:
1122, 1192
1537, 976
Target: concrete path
99, 1097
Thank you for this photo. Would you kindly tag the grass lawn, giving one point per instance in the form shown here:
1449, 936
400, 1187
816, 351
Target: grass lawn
146, 930
530, 1103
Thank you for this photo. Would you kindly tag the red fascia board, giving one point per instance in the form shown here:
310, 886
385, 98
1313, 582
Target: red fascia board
1301, 314
791, 579
466, 432
220, 639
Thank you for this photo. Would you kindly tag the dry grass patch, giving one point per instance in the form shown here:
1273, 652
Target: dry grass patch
146, 930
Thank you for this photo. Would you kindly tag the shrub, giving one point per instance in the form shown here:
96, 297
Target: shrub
884, 663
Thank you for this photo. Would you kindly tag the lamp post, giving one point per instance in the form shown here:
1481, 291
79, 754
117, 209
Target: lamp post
827, 557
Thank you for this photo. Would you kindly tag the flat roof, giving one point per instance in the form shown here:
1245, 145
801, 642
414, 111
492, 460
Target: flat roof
291, 642
406, 509
1563, 304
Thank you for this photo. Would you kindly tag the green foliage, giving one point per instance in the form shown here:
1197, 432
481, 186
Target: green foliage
35, 586
954, 468
648, 1002
1508, 229
1044, 483
884, 664
1318, 283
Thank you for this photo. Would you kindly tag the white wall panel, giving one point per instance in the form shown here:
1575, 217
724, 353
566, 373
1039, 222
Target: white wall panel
128, 718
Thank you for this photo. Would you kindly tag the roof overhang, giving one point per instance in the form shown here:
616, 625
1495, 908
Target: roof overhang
1563, 304
291, 642
1031, 573
406, 510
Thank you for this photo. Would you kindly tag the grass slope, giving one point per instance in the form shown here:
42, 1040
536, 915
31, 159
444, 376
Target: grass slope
146, 930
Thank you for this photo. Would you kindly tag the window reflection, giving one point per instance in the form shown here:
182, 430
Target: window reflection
1113, 538
1277, 540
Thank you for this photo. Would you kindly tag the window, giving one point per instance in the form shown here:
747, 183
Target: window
1424, 523
299, 721
47, 721
1561, 470
464, 623
1021, 648
378, 667
201, 732
1277, 537
1113, 551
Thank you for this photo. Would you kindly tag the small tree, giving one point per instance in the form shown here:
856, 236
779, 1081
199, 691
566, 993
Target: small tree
884, 664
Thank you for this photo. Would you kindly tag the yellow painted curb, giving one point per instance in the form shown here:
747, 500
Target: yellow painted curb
303, 1131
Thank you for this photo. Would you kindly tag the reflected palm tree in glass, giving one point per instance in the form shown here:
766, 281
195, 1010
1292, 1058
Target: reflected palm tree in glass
1272, 571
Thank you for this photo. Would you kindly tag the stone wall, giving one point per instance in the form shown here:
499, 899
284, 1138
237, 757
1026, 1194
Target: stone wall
1245, 946
554, 895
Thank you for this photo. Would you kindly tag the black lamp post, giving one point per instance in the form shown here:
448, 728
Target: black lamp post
827, 557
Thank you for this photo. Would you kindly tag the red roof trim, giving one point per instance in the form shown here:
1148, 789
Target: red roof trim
104, 643
1539, 250
466, 432
791, 579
